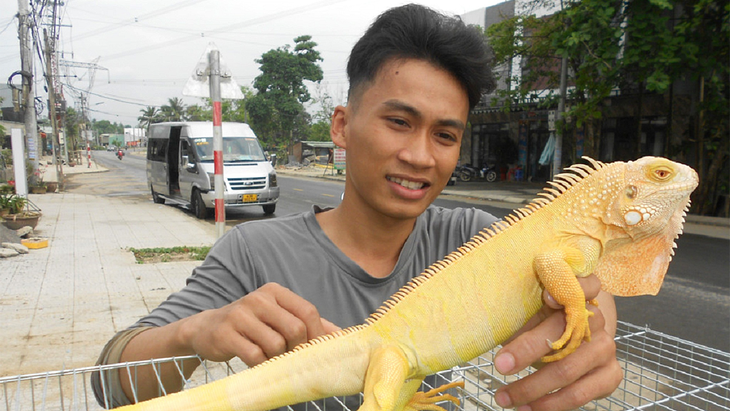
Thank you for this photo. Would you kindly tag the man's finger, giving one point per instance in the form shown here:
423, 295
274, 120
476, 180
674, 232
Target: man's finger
582, 375
303, 310
591, 286
530, 346
328, 326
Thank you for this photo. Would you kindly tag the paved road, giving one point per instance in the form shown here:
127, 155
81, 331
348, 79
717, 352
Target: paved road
694, 303
125, 178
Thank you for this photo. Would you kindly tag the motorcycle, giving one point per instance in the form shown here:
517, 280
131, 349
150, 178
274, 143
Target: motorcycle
120, 154
467, 173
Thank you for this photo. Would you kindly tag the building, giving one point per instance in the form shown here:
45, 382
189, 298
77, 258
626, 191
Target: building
135, 136
634, 122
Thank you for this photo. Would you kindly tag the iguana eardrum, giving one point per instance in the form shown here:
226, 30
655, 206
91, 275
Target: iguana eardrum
616, 220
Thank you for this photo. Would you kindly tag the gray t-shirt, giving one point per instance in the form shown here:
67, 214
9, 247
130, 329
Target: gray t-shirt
294, 252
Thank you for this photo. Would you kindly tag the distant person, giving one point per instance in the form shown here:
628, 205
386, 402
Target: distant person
269, 285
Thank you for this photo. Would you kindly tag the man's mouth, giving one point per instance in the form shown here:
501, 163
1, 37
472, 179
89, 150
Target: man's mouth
411, 185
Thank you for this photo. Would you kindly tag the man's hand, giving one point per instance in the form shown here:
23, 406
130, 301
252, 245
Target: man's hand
590, 372
259, 326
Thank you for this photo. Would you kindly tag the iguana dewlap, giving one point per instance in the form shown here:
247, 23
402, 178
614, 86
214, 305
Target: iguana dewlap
616, 220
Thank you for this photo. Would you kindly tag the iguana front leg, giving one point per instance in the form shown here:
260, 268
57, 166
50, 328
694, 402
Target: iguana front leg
557, 270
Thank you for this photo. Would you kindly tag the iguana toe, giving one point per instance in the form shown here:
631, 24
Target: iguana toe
426, 401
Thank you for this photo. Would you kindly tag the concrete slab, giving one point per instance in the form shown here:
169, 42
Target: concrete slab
62, 303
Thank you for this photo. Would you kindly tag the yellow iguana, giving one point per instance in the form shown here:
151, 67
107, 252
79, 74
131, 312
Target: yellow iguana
616, 220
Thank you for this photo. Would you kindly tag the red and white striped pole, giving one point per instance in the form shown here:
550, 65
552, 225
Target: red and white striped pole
88, 154
215, 97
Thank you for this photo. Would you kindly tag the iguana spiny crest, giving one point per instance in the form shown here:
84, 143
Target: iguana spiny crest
636, 210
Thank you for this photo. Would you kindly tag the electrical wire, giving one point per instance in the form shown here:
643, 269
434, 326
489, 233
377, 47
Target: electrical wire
7, 25
247, 23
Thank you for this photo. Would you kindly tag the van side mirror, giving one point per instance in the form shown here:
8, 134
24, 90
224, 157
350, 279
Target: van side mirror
187, 164
273, 159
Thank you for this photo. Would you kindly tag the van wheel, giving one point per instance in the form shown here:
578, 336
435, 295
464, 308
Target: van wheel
156, 197
198, 205
269, 209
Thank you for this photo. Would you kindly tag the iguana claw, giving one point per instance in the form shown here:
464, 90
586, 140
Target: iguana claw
576, 331
426, 401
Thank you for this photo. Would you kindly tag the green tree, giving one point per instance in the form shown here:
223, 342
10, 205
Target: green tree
322, 118
148, 116
235, 110
636, 46
277, 111
174, 110
197, 112
231, 110
71, 126
105, 127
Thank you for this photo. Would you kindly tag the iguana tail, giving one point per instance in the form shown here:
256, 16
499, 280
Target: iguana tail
291, 378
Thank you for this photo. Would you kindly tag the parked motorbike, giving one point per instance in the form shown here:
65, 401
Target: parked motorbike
469, 173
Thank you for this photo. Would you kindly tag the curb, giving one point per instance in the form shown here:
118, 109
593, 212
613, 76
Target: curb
506, 198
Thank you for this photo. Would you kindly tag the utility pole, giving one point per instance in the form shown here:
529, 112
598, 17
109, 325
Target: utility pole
52, 107
558, 156
26, 66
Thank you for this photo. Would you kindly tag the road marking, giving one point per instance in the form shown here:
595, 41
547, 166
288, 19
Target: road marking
298, 189
328, 195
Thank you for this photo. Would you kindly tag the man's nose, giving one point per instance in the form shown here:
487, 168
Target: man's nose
418, 151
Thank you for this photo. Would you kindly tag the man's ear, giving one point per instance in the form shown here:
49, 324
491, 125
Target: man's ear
338, 126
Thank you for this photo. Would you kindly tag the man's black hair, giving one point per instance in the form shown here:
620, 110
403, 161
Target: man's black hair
417, 32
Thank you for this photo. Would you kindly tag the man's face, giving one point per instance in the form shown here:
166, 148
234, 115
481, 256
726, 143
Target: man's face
403, 134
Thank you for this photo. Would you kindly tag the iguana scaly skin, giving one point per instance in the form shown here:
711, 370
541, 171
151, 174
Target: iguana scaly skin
616, 220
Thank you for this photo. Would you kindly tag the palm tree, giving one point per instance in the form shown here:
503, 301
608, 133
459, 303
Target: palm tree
174, 110
149, 115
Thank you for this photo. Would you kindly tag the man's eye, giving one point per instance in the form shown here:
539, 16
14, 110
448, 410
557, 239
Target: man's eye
398, 121
447, 136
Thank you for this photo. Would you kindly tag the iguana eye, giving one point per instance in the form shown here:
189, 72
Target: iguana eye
631, 192
662, 173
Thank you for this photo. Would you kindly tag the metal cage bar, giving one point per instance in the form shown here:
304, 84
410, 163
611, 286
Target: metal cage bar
661, 372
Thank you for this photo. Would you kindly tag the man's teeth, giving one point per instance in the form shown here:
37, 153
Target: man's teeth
411, 185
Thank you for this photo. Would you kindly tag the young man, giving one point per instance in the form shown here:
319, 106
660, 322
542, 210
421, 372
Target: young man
268, 286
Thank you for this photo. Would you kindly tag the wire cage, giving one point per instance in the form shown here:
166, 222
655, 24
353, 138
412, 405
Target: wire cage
661, 372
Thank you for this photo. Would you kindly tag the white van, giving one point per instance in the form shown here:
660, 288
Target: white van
180, 167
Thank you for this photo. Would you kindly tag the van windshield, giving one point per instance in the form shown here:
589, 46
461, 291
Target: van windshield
235, 149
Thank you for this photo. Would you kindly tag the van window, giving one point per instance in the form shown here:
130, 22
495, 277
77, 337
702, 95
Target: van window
157, 149
235, 149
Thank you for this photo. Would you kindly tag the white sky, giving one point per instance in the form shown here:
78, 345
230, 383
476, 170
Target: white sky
151, 47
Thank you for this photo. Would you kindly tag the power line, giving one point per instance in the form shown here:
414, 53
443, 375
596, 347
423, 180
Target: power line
151, 14
106, 97
7, 25
246, 23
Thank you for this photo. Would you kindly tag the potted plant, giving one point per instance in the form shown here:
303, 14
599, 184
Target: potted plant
39, 186
6, 193
17, 216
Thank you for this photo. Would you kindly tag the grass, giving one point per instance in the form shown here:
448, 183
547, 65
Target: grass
167, 254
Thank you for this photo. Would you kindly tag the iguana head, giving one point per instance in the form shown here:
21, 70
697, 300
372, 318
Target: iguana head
652, 200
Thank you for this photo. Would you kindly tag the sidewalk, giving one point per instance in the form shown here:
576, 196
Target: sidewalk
50, 174
61, 304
